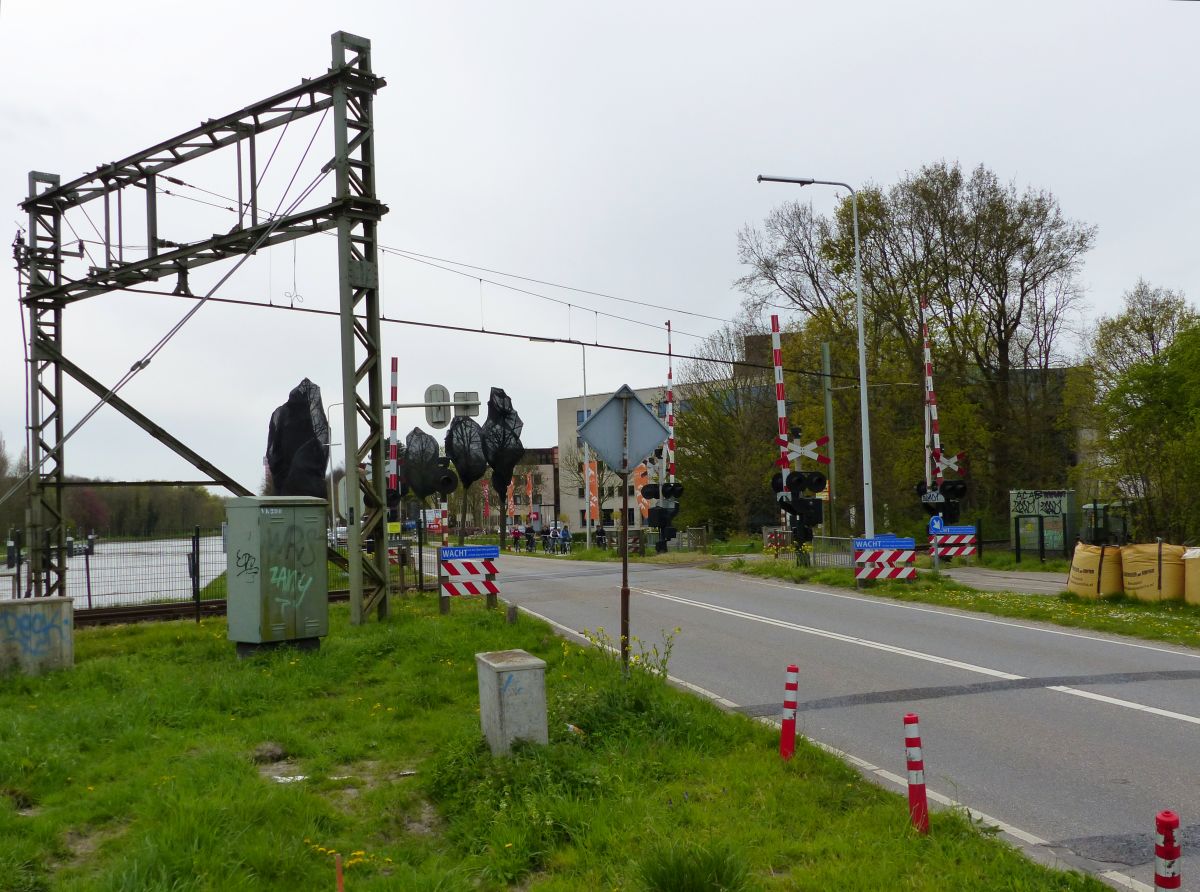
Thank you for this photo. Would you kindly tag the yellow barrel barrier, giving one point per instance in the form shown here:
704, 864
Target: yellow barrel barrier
1191, 576
1095, 571
1153, 572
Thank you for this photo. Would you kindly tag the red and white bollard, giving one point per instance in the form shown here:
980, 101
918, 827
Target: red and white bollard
1167, 852
918, 806
787, 731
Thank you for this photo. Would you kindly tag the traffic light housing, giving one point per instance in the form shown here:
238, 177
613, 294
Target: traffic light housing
650, 491
393, 505
952, 493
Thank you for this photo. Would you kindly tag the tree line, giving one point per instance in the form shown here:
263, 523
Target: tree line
137, 511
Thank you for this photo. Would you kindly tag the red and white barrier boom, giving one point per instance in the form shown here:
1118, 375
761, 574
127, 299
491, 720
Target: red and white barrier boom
935, 460
885, 557
468, 570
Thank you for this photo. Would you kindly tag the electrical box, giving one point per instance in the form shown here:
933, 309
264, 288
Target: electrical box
277, 572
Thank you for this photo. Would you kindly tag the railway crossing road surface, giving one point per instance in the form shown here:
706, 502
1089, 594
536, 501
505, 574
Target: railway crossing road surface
1070, 741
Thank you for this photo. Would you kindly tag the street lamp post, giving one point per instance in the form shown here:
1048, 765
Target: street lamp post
332, 510
868, 502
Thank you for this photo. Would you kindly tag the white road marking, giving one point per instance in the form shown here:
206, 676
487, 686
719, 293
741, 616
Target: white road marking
958, 613
919, 655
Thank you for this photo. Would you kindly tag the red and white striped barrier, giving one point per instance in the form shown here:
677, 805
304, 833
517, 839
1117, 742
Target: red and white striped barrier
1167, 851
918, 805
885, 556
885, 563
393, 468
953, 544
458, 578
787, 730
670, 409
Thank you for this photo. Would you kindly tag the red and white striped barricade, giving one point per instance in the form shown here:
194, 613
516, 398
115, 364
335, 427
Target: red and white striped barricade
468, 570
885, 557
951, 542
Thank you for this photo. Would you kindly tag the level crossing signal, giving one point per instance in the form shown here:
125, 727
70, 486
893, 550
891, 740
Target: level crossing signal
944, 499
661, 515
807, 512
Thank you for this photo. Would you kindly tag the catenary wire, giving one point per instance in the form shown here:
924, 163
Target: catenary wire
149, 356
525, 336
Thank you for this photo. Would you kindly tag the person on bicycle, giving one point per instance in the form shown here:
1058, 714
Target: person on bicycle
564, 539
547, 542
529, 538
516, 537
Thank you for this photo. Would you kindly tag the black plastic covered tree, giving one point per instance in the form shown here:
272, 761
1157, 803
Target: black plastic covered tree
502, 445
298, 444
464, 446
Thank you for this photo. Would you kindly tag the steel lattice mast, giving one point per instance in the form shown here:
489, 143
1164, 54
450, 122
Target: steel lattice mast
347, 89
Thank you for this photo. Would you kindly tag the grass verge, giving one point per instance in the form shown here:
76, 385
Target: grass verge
151, 765
1173, 622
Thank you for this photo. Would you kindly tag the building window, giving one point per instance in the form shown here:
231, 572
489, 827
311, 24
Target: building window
580, 493
582, 517
662, 410
631, 510
580, 418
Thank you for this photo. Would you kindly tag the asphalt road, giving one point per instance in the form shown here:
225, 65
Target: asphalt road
1029, 582
1070, 741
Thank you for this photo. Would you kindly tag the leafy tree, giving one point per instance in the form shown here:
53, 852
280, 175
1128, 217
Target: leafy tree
996, 266
724, 430
1146, 361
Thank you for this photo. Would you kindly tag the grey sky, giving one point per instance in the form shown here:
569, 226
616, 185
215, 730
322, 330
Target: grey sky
608, 146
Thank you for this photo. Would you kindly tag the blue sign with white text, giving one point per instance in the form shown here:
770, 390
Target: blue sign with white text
469, 553
936, 525
884, 542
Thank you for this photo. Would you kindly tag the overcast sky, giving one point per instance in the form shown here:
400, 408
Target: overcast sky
612, 147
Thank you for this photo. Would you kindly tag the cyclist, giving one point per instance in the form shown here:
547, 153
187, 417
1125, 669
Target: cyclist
564, 539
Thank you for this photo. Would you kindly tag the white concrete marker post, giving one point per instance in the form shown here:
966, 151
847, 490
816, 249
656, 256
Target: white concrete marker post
512, 698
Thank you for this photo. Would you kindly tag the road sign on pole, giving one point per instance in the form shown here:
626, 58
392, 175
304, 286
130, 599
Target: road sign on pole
466, 402
622, 433
438, 416
623, 429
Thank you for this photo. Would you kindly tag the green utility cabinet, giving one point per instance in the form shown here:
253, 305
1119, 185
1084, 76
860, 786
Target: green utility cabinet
277, 572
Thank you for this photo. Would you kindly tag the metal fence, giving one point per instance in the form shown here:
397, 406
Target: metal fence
833, 551
127, 572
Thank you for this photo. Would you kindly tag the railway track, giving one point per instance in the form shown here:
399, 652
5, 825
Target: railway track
138, 613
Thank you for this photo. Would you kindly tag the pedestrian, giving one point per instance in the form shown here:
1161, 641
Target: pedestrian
564, 539
516, 537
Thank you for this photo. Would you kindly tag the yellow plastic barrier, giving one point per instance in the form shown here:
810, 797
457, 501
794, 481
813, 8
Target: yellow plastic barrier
1095, 571
1191, 576
1153, 572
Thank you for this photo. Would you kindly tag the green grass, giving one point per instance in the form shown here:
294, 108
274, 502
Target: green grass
1173, 622
1005, 560
136, 770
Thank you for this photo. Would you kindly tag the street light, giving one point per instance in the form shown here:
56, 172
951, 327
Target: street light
868, 504
332, 511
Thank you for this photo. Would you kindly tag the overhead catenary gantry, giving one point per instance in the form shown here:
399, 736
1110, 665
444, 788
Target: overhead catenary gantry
347, 90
